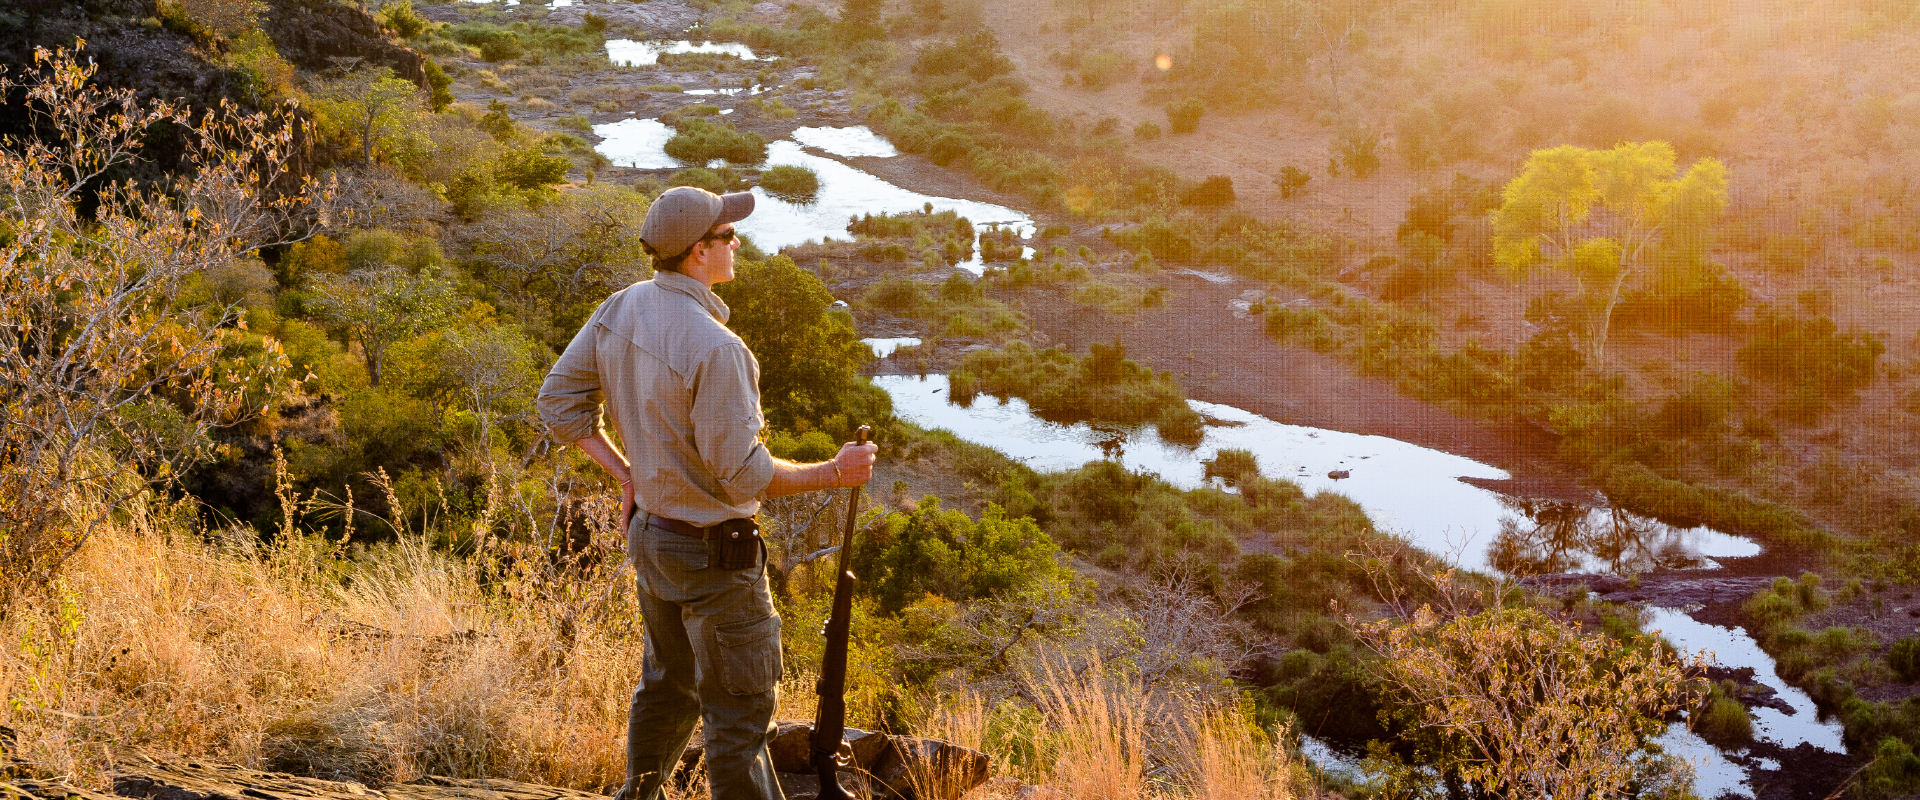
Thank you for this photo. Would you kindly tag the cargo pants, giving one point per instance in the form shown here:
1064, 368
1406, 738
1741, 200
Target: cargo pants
712, 653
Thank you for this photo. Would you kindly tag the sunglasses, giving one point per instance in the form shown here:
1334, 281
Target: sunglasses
727, 235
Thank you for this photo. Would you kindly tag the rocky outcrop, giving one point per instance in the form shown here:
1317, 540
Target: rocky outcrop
905, 767
900, 767
663, 18
314, 34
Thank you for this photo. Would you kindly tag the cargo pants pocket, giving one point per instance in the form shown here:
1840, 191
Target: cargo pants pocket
749, 655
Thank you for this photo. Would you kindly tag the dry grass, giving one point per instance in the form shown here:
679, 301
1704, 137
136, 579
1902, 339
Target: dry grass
402, 660
399, 662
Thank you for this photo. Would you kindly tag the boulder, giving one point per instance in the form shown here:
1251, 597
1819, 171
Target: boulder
930, 769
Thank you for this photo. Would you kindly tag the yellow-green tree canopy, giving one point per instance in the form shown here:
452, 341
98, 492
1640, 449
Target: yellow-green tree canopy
1605, 216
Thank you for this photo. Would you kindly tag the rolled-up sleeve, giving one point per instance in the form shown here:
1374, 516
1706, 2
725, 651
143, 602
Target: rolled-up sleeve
727, 423
571, 398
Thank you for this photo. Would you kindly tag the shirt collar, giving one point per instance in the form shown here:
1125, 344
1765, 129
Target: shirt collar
692, 288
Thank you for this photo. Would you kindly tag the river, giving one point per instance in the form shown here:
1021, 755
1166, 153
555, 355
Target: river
1412, 491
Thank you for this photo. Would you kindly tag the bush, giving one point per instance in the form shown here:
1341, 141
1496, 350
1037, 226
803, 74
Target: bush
1184, 116
1147, 131
1810, 354
701, 140
1216, 190
1358, 150
403, 20
1292, 181
791, 183
1904, 658
1723, 721
700, 177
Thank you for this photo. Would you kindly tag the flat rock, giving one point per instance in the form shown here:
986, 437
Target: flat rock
193, 780
659, 17
440, 788
47, 790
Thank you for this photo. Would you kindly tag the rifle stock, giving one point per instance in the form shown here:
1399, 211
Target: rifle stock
830, 750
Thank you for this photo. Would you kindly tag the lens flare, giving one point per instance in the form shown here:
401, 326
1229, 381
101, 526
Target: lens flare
1163, 61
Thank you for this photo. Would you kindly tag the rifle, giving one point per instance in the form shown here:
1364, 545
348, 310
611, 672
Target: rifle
830, 750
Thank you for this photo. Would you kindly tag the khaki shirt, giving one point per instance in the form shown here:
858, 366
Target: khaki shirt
685, 397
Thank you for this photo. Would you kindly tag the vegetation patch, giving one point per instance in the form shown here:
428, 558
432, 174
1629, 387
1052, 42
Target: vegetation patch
1103, 386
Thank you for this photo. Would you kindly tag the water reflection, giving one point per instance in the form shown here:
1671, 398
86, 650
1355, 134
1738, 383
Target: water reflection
629, 53
849, 142
885, 347
1733, 647
638, 143
846, 192
1546, 536
1411, 490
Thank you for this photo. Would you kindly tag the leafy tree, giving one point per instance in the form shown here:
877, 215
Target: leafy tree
561, 254
383, 305
1605, 216
1292, 181
1357, 148
808, 355
112, 374
1518, 704
370, 106
943, 552
498, 369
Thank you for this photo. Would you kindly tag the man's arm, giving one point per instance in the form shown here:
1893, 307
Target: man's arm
853, 466
601, 449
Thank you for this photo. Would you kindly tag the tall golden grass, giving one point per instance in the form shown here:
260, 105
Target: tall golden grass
400, 660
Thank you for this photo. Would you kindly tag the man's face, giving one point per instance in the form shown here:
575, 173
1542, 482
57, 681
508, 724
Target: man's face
711, 262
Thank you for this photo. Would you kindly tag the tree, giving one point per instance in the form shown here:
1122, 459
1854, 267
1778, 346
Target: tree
1292, 181
1522, 705
1605, 216
371, 106
383, 305
572, 250
494, 365
808, 355
111, 375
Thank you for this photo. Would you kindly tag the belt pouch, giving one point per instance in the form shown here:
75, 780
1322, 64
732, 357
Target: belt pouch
736, 544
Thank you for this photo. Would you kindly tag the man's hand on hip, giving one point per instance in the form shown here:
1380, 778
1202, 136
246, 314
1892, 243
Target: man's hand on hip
854, 464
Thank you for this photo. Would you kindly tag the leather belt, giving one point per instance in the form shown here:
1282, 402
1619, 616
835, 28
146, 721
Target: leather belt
714, 531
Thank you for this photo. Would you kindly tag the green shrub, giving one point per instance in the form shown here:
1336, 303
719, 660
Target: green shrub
1233, 467
699, 177
1147, 131
1184, 116
1216, 190
1292, 181
578, 122
1723, 721
700, 140
403, 20
791, 183
1904, 658
1810, 354
1894, 771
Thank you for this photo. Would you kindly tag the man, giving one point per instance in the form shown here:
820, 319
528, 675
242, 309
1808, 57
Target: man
685, 398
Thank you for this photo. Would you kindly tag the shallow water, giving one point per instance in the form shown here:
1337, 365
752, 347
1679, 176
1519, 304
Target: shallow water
1733, 647
885, 347
849, 142
1713, 773
630, 53
845, 192
637, 143
1410, 490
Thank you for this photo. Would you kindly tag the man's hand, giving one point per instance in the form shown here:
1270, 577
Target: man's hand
626, 502
853, 466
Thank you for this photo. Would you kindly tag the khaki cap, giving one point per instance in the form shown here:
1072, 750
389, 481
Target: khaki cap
677, 220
